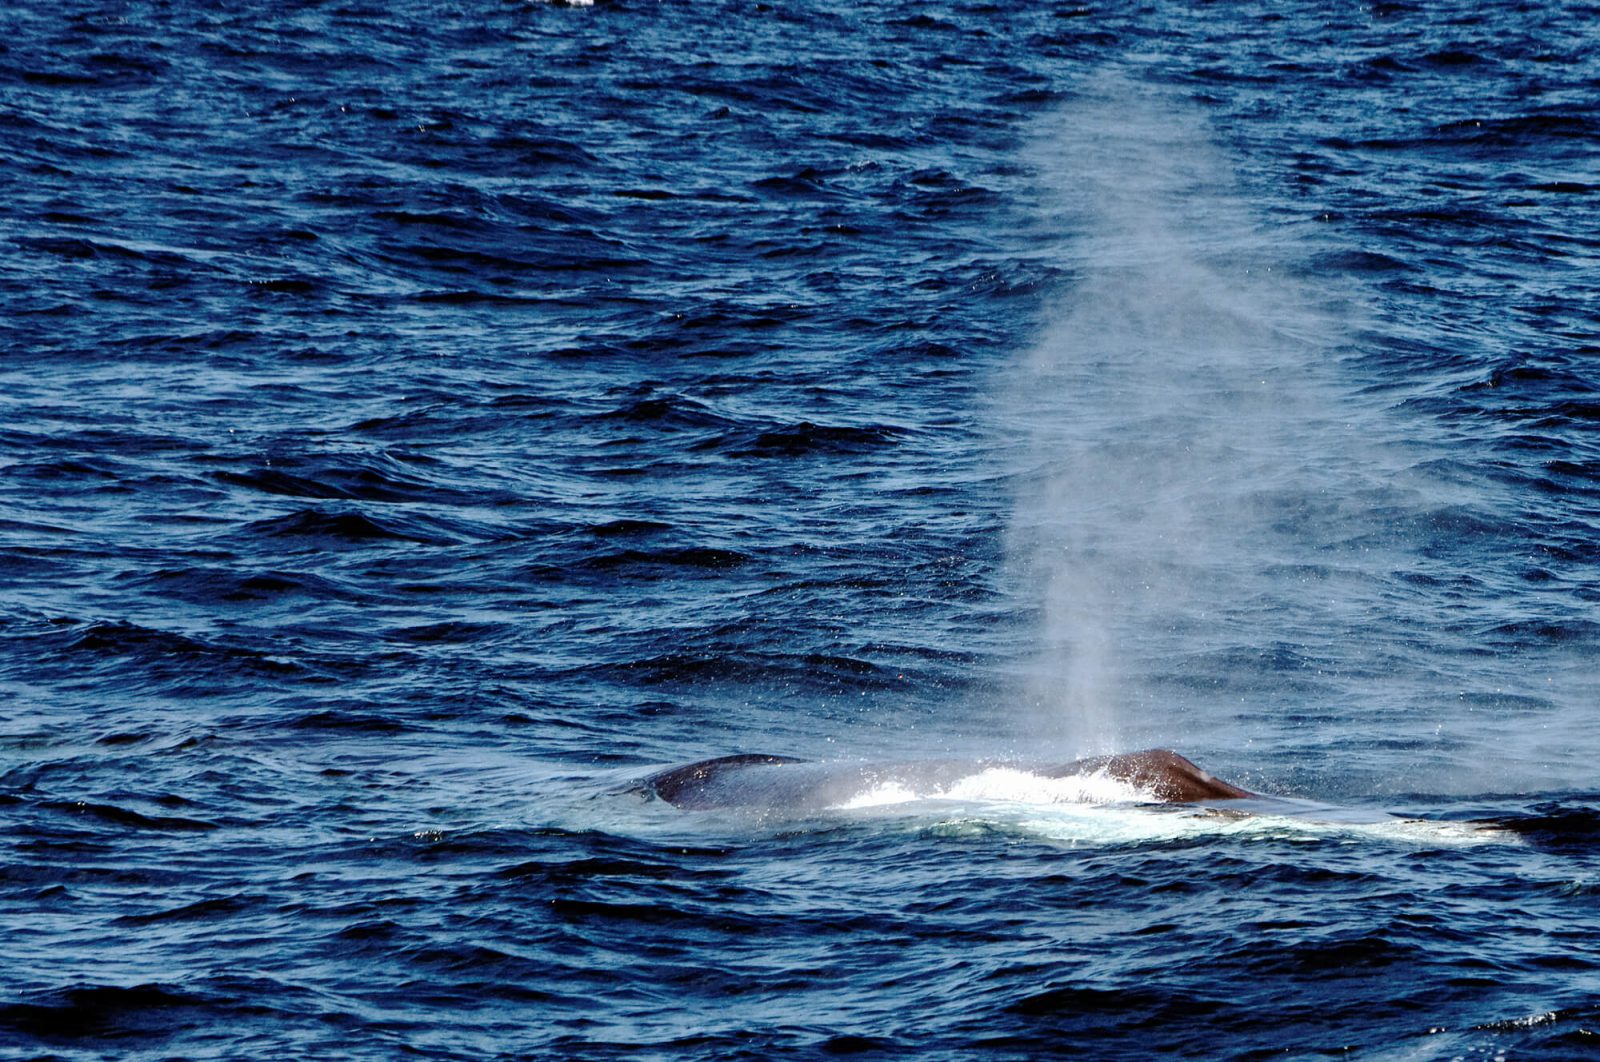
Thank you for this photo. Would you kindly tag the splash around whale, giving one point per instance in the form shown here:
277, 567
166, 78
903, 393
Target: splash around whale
1098, 800
767, 781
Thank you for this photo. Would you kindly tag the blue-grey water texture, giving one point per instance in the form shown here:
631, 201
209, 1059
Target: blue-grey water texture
420, 421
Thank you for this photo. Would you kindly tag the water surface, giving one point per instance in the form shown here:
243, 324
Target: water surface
416, 423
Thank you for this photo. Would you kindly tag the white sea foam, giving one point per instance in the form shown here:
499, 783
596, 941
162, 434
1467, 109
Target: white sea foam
1111, 824
880, 795
1094, 809
1003, 785
1012, 786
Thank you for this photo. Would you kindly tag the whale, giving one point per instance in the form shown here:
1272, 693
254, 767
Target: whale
1129, 786
759, 780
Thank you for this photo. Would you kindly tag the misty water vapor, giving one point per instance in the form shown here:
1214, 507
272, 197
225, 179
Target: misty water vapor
1168, 416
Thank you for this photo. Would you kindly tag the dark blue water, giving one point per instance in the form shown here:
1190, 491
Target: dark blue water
419, 421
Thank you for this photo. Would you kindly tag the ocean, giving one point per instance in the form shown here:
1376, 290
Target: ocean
422, 422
